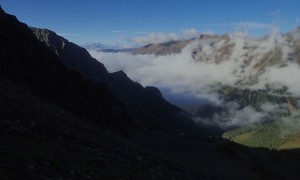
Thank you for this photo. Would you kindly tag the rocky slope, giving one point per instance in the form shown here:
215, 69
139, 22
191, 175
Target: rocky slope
174, 47
146, 105
161, 48
29, 63
54, 124
71, 57
40, 140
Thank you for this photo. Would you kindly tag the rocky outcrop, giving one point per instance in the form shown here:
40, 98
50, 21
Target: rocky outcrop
246, 97
71, 57
256, 98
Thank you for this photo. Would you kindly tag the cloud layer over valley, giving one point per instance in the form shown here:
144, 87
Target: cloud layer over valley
207, 65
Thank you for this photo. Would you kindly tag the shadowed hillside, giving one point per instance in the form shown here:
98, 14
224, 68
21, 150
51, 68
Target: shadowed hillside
54, 124
146, 105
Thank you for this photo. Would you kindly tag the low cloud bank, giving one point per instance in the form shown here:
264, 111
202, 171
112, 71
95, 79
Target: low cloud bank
238, 61
160, 37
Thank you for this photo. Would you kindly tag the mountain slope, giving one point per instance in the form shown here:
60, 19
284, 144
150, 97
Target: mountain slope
40, 140
73, 59
54, 124
29, 63
161, 48
281, 134
146, 105
174, 47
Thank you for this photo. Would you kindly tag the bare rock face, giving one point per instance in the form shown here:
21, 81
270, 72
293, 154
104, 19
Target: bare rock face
69, 54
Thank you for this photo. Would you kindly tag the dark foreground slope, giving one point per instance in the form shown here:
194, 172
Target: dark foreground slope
55, 125
146, 105
29, 63
40, 140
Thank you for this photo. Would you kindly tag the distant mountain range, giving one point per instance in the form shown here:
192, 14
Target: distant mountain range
174, 47
105, 47
254, 59
253, 62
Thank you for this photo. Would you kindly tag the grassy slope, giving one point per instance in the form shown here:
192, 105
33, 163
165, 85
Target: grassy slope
293, 143
270, 135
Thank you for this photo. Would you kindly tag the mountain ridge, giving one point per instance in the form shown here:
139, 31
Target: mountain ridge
47, 77
146, 105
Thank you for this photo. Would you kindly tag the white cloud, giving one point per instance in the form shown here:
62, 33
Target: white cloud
269, 107
190, 33
244, 117
233, 117
279, 77
159, 37
68, 34
204, 77
208, 32
156, 38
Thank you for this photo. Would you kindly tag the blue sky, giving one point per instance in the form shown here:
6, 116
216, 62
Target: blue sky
121, 21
